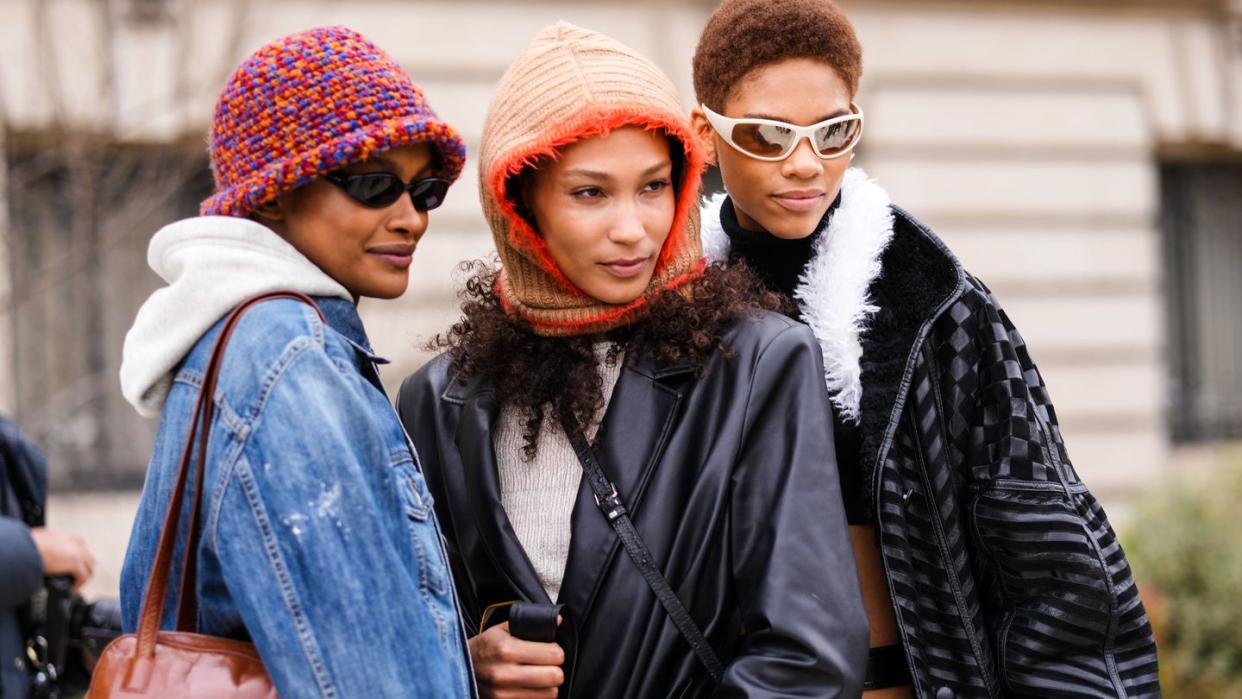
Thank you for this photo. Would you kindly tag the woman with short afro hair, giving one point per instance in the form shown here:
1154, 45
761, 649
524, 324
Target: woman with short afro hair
988, 569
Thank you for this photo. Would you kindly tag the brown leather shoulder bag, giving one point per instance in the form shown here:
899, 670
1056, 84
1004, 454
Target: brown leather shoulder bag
183, 663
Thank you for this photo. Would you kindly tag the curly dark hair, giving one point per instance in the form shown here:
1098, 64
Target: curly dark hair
743, 35
557, 377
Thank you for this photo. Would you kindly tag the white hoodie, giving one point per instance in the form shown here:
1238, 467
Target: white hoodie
211, 264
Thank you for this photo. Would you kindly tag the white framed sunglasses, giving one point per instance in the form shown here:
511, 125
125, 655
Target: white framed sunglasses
768, 139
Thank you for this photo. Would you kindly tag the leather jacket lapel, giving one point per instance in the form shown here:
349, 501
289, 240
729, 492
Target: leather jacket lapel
474, 440
631, 441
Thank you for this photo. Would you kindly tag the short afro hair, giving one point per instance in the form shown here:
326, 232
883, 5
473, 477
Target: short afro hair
743, 35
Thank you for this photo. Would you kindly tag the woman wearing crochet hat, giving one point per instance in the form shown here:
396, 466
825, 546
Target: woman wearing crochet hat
987, 567
616, 429
314, 539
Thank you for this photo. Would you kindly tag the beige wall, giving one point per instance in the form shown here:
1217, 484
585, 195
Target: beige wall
1027, 136
8, 392
1025, 133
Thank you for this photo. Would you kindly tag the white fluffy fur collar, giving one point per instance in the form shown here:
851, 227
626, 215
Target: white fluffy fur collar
833, 289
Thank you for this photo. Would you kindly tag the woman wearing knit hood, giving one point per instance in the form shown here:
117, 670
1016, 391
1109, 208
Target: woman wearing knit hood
611, 417
314, 539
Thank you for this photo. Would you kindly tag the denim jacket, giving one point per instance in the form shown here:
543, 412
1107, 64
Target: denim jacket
318, 538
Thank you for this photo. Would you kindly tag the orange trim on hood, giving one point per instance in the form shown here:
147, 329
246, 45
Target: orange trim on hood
590, 122
606, 319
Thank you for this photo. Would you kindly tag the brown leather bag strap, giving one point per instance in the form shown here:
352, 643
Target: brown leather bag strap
200, 426
187, 613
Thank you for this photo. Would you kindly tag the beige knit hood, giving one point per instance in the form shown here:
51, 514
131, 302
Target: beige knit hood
569, 84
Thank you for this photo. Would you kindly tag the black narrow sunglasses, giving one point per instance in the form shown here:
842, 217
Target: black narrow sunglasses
380, 189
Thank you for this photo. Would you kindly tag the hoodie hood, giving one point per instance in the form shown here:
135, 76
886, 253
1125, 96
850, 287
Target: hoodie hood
210, 265
570, 84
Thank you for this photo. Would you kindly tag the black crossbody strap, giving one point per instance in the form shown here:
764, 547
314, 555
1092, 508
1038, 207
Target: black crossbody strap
610, 503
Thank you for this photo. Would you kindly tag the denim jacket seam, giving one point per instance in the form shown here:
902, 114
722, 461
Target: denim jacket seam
312, 335
275, 372
316, 325
243, 427
189, 377
229, 458
293, 603
225, 414
220, 490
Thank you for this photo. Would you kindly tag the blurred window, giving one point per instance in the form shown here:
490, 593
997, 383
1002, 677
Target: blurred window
1203, 271
81, 209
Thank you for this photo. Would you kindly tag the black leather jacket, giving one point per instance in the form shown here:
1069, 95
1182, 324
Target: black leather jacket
1005, 574
731, 480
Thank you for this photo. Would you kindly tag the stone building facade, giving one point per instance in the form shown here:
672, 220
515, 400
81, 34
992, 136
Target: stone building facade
1069, 152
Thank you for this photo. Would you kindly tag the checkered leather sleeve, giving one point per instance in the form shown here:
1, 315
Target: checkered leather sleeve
1059, 601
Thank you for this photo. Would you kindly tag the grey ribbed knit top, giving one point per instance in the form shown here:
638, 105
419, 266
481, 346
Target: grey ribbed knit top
538, 495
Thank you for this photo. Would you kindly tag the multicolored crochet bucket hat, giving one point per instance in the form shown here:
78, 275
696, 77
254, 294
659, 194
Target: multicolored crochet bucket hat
310, 103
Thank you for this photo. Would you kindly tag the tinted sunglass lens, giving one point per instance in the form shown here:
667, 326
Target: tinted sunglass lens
834, 139
377, 189
764, 140
428, 193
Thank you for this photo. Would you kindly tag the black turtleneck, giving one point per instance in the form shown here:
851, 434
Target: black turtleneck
779, 263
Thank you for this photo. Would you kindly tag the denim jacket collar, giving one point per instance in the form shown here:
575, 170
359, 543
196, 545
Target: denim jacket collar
343, 317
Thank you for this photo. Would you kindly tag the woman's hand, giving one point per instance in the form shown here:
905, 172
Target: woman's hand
510, 668
64, 553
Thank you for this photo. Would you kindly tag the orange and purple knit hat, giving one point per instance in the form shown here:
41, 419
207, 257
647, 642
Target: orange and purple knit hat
310, 103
